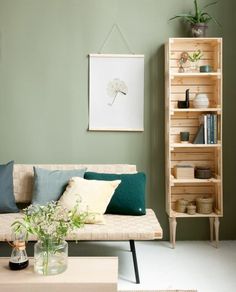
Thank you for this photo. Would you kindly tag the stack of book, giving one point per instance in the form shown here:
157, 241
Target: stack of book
207, 132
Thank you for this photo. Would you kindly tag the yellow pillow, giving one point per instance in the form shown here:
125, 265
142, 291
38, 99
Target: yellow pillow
94, 196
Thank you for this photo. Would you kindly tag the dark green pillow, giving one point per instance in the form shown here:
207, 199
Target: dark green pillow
7, 199
129, 196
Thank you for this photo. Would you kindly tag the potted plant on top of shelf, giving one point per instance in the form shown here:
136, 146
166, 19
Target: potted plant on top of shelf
199, 20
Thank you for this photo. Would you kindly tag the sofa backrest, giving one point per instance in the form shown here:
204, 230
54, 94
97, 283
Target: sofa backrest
23, 175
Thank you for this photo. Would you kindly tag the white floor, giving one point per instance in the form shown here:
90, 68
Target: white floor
191, 265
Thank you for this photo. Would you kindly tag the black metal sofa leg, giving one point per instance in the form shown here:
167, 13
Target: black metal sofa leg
132, 248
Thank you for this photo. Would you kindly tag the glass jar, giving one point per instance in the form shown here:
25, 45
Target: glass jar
50, 257
194, 66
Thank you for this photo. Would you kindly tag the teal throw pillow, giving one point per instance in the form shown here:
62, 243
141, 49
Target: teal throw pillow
7, 199
49, 185
129, 196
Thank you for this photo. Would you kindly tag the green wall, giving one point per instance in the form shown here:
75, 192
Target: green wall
44, 47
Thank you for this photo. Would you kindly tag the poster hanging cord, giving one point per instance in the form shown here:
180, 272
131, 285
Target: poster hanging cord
115, 25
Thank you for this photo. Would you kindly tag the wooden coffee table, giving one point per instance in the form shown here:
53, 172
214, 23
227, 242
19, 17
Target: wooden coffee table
90, 274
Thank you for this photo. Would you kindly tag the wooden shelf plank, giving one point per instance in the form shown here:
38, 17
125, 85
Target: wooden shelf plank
195, 74
191, 145
194, 181
185, 215
196, 40
215, 109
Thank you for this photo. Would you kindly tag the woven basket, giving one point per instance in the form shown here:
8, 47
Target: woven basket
205, 205
191, 209
181, 205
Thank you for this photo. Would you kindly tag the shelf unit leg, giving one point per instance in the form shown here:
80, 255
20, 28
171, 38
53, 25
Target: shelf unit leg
172, 224
217, 225
211, 221
170, 230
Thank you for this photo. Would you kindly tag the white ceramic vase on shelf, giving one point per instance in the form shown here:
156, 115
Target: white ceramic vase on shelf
201, 100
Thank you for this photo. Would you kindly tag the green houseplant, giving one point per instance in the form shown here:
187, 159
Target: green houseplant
199, 19
194, 58
50, 224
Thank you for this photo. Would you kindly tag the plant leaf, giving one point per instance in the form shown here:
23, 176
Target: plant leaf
183, 15
196, 10
212, 18
209, 4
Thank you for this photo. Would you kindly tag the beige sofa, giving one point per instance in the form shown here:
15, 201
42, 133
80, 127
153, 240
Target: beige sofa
117, 227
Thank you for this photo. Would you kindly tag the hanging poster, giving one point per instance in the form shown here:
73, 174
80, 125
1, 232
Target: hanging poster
116, 92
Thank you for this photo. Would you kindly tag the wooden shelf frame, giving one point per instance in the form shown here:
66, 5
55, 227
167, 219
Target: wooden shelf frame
191, 145
178, 120
195, 74
198, 110
197, 215
194, 181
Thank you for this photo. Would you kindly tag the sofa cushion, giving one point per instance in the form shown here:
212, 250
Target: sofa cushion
117, 227
49, 185
129, 197
93, 195
7, 199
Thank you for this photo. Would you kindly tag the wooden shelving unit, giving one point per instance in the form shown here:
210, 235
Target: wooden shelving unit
178, 120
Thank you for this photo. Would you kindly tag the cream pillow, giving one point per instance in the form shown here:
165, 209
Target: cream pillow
94, 196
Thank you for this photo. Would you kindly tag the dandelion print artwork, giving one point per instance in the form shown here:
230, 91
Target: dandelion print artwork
116, 87
116, 92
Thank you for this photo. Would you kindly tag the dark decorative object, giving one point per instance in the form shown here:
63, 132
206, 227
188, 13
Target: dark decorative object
205, 68
203, 172
184, 136
184, 103
199, 138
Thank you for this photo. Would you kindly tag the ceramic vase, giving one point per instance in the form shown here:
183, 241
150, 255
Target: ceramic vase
201, 101
198, 30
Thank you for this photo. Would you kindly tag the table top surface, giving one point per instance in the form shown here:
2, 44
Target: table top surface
79, 270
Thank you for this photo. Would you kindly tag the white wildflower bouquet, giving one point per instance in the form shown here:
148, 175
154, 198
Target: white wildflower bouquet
50, 222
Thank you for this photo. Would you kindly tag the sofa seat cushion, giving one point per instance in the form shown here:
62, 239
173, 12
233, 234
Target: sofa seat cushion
117, 227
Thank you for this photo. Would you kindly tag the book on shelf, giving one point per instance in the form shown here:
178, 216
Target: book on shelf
215, 127
199, 137
207, 132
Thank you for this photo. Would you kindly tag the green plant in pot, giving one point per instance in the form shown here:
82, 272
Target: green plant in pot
194, 59
198, 20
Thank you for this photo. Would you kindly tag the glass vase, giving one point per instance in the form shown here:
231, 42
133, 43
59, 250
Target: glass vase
194, 66
50, 257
